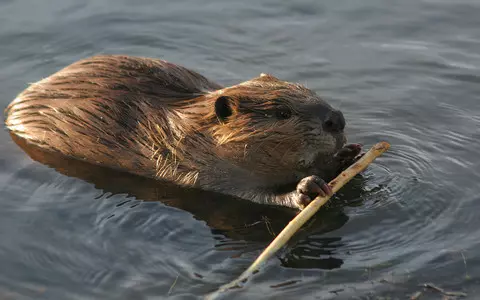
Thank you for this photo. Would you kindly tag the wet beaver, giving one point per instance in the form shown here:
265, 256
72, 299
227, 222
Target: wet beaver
265, 140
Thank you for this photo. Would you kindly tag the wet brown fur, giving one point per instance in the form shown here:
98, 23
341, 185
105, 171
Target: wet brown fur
157, 119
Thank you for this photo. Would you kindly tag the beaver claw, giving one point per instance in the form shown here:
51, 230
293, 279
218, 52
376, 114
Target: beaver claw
348, 155
310, 187
349, 151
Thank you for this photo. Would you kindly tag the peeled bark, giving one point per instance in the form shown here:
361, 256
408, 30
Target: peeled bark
297, 222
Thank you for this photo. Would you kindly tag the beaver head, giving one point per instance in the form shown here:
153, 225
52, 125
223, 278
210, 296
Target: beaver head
274, 128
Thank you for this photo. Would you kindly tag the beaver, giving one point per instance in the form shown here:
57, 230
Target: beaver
264, 140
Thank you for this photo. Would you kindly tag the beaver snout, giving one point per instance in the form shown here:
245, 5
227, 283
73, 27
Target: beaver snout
334, 122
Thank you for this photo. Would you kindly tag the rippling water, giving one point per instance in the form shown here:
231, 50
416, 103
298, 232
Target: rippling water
405, 71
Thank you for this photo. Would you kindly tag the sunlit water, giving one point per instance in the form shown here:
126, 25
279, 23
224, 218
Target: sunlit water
405, 71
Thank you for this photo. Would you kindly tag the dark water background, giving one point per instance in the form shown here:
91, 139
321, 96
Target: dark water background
403, 71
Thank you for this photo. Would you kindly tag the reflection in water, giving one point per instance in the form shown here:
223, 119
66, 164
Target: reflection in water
237, 220
406, 73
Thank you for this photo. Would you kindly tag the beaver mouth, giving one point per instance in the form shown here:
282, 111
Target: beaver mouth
323, 158
341, 141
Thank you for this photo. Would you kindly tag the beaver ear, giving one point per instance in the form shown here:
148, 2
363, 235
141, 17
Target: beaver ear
268, 77
223, 108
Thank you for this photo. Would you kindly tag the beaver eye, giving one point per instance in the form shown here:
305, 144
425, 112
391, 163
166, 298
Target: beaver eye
283, 113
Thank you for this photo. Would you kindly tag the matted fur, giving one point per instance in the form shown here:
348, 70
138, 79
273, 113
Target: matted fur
157, 119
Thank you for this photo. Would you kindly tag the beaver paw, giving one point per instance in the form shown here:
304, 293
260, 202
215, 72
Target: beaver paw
310, 187
348, 155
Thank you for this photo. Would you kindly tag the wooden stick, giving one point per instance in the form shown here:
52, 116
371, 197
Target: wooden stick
297, 222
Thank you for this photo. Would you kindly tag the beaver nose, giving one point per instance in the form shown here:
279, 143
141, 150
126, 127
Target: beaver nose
334, 122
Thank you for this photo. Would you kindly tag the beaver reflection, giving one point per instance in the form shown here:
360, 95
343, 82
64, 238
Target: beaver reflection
235, 219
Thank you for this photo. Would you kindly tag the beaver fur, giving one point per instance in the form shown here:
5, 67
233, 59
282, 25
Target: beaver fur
265, 140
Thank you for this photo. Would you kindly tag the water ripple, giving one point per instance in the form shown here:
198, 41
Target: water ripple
406, 73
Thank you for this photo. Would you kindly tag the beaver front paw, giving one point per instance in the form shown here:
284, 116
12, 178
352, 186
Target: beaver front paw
309, 188
348, 155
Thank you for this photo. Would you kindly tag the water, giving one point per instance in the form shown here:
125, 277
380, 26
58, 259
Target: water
404, 71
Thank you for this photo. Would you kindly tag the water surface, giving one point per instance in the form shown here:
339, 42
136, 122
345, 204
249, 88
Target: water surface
404, 71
